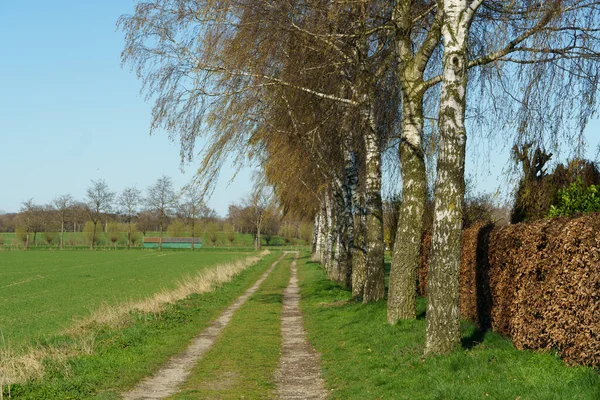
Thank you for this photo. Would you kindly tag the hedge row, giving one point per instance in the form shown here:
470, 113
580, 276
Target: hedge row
537, 283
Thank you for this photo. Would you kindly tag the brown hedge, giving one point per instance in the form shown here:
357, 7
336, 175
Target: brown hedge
537, 283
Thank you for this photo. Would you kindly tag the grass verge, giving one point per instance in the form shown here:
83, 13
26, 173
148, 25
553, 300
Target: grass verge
363, 357
120, 357
242, 363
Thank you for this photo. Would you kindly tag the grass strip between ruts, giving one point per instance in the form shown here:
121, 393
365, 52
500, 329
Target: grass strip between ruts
124, 356
243, 362
363, 357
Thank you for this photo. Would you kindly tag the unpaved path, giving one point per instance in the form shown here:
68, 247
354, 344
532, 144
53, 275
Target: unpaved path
299, 375
167, 380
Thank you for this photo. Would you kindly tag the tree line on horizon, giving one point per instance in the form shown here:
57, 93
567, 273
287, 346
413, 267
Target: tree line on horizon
163, 209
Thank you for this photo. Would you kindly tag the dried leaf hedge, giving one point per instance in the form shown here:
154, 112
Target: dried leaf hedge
537, 283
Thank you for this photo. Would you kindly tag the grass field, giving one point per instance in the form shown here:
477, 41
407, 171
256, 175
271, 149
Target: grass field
363, 357
42, 292
9, 240
122, 357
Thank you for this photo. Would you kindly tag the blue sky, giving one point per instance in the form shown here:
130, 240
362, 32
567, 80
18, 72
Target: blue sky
69, 112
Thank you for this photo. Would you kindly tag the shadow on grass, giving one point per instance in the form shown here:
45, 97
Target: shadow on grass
474, 339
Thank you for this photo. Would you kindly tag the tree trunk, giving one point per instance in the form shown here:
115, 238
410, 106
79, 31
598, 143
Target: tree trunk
344, 239
443, 324
323, 233
193, 233
258, 239
405, 259
93, 235
329, 236
27, 239
359, 248
374, 263
315, 234
62, 233
160, 227
349, 187
129, 233
339, 252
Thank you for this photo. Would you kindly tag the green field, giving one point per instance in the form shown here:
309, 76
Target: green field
125, 355
79, 239
42, 292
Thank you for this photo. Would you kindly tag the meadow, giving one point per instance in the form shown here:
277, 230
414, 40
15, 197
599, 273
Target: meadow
79, 239
43, 292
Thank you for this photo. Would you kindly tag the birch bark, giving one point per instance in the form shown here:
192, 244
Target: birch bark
403, 277
374, 262
359, 250
329, 236
349, 188
315, 239
443, 323
411, 62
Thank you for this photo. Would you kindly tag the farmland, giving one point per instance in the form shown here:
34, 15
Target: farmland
41, 292
79, 239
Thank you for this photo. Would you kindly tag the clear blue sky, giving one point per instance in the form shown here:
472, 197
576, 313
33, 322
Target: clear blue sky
69, 112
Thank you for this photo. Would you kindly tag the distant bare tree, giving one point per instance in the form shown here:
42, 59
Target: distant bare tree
63, 206
129, 201
161, 199
146, 221
99, 201
28, 210
79, 215
193, 207
260, 204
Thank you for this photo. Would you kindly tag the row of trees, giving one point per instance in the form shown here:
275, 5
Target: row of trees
101, 204
163, 209
320, 92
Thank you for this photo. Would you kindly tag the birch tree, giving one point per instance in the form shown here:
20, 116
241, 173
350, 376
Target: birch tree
417, 30
562, 34
221, 81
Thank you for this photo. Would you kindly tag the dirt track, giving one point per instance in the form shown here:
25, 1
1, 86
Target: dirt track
168, 379
299, 375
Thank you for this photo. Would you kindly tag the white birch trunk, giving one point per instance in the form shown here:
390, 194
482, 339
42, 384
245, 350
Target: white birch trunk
405, 259
443, 323
329, 236
315, 236
374, 265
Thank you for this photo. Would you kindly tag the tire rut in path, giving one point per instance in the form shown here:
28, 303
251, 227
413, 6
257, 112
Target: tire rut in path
299, 375
168, 379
